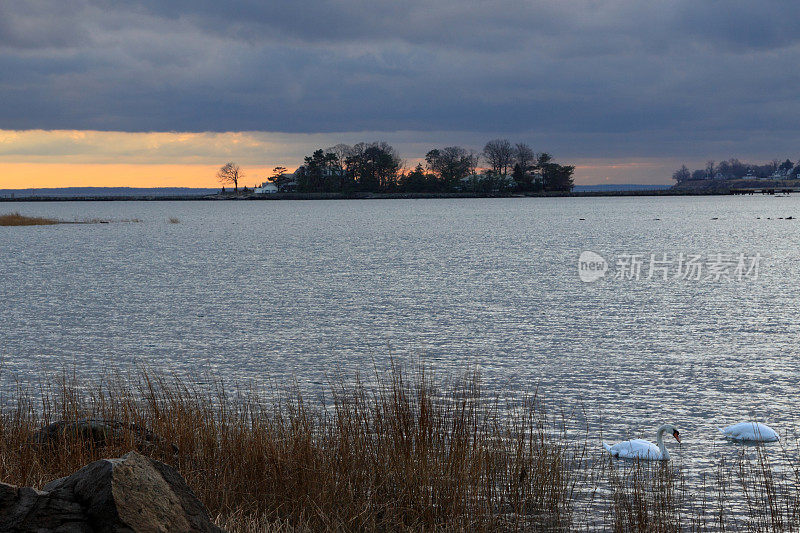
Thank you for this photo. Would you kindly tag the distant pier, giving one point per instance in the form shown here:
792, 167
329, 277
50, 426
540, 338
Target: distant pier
763, 190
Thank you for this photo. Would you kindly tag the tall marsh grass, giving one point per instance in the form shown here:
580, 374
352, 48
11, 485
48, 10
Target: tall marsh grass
399, 455
15, 219
405, 453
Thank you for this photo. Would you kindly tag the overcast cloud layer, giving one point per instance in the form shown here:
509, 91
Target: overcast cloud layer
583, 78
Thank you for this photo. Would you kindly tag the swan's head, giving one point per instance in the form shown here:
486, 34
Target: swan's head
673, 429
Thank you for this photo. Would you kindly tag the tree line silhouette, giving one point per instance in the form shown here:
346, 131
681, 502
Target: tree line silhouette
377, 167
735, 169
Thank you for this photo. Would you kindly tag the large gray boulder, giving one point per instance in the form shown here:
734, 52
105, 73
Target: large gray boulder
130, 494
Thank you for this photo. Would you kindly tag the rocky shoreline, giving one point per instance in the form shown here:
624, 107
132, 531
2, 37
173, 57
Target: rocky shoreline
132, 493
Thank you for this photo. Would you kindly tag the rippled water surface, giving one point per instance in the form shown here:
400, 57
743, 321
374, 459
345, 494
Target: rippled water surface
272, 291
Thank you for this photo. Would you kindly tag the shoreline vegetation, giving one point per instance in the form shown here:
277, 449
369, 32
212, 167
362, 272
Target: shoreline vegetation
733, 169
376, 167
16, 219
250, 196
409, 452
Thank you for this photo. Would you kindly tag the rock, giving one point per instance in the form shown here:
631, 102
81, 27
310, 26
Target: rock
129, 494
101, 432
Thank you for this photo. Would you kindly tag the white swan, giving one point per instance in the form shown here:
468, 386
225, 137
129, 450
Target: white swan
751, 432
642, 449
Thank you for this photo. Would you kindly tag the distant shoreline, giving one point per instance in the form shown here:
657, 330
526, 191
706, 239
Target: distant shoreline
354, 196
691, 188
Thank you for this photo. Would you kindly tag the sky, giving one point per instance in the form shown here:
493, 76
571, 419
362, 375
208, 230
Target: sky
156, 93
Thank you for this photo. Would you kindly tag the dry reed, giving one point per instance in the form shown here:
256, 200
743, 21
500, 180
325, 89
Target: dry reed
15, 219
403, 454
396, 456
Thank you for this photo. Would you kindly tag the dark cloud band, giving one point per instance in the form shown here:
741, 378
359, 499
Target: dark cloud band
685, 76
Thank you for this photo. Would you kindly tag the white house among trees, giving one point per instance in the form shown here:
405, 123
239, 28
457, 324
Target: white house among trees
266, 188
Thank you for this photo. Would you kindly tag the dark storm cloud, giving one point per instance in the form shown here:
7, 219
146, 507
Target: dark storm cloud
684, 75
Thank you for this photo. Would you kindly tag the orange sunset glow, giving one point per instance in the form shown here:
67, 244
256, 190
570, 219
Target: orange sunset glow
74, 158
46, 175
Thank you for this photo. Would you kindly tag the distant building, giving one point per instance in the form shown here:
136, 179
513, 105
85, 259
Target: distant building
266, 188
750, 175
504, 182
333, 172
489, 183
780, 174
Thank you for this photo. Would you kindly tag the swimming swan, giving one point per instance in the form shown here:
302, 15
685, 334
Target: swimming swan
642, 449
750, 432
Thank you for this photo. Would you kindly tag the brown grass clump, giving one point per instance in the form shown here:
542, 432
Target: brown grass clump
398, 456
15, 219
771, 493
646, 496
401, 455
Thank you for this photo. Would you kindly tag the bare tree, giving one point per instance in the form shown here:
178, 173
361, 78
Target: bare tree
341, 151
230, 173
710, 170
773, 166
524, 156
500, 155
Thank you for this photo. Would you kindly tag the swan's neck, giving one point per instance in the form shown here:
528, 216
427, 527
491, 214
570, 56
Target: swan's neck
660, 442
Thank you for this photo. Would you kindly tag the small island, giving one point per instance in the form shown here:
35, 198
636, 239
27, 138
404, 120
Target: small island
376, 167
